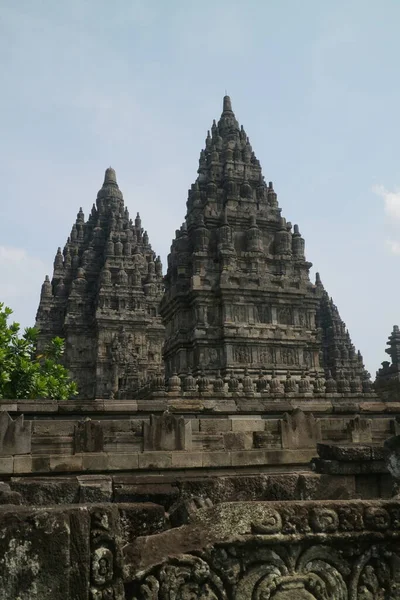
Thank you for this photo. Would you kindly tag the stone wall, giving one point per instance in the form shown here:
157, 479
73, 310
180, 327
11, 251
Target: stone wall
233, 551
68, 442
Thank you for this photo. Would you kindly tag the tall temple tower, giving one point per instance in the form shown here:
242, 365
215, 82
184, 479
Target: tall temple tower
104, 300
238, 293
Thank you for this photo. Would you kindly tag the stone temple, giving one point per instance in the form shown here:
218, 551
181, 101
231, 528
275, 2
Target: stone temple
104, 300
227, 442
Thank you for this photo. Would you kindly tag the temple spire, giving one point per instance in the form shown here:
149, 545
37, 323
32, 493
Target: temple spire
110, 176
227, 105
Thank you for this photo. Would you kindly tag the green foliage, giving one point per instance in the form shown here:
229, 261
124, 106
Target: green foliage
24, 374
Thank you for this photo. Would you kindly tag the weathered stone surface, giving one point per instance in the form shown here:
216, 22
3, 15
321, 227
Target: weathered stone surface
360, 430
46, 491
345, 452
103, 298
300, 430
307, 551
140, 519
15, 436
167, 432
88, 437
239, 440
95, 488
127, 489
34, 550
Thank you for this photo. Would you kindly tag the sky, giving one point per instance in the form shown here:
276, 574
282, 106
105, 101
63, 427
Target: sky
135, 84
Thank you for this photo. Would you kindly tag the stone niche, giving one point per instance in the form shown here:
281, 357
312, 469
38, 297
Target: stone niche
167, 432
15, 436
299, 430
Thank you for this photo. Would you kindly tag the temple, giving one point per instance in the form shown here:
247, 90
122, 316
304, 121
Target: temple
237, 291
227, 442
104, 300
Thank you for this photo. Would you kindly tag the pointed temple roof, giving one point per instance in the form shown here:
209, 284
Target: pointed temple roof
238, 291
104, 295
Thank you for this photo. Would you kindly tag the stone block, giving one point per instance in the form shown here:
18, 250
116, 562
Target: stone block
248, 425
35, 554
40, 464
23, 464
51, 428
207, 441
239, 440
88, 437
344, 452
95, 461
127, 489
15, 436
282, 487
63, 464
249, 457
315, 486
264, 439
155, 460
195, 425
121, 462
217, 459
167, 432
95, 488
140, 519
215, 425
187, 460
6, 465
360, 430
9, 406
300, 430
46, 491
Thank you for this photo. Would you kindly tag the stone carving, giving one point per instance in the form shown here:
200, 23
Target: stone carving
88, 436
271, 523
262, 565
188, 577
360, 430
288, 356
313, 574
241, 244
300, 430
285, 315
106, 572
242, 355
15, 436
167, 432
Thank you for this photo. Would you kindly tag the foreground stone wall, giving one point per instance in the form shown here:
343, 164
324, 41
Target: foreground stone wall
232, 551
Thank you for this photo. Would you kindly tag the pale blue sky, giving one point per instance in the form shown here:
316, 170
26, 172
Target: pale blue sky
135, 84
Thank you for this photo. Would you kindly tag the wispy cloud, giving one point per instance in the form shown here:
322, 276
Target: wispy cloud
391, 201
393, 246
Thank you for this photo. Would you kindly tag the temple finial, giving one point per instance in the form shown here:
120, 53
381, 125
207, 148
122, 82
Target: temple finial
227, 105
110, 176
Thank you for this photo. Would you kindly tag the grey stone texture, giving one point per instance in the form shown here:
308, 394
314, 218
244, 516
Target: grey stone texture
103, 299
15, 435
238, 297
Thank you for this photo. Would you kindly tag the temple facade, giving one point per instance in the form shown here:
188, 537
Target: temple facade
237, 291
104, 300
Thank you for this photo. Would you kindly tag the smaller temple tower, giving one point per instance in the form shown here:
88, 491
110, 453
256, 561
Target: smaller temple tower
103, 299
389, 374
